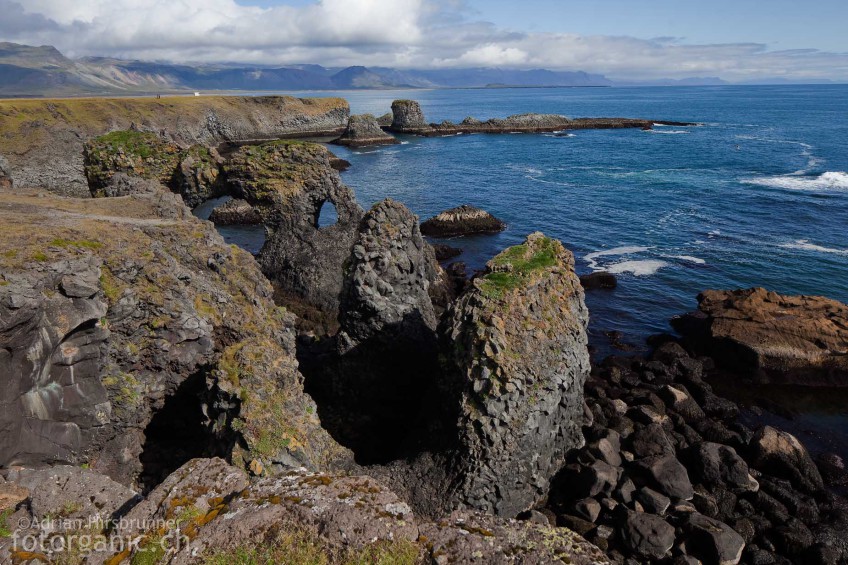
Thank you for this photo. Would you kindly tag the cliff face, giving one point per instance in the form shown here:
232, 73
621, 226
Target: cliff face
133, 338
517, 358
43, 139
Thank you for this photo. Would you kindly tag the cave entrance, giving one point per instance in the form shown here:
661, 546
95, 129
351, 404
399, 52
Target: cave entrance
180, 431
327, 215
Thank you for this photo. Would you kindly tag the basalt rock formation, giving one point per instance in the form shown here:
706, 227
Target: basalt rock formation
462, 220
800, 340
289, 183
43, 139
516, 357
235, 212
407, 116
133, 339
409, 119
363, 131
370, 379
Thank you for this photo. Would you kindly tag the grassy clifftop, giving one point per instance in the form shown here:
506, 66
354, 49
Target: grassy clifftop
43, 139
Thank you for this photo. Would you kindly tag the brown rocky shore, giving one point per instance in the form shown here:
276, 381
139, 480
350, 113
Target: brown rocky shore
343, 398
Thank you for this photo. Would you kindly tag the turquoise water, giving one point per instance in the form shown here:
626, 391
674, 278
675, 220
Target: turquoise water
756, 196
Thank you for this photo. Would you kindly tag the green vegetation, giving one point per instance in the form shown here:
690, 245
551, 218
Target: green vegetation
141, 143
302, 547
150, 553
5, 532
516, 264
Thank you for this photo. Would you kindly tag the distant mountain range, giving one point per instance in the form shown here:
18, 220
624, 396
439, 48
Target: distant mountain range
32, 71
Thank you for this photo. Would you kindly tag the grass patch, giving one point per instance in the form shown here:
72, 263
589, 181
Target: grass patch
83, 243
142, 143
516, 264
5, 531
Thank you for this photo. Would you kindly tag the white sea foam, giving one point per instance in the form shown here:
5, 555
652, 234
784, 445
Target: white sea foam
826, 181
592, 258
805, 245
638, 268
690, 259
669, 132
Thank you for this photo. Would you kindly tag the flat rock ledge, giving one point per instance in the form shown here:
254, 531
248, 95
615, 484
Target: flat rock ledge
462, 220
800, 340
408, 118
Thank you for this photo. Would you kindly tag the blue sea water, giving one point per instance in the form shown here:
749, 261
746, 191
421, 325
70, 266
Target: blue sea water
755, 196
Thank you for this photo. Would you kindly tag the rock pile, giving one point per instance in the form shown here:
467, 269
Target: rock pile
235, 212
668, 473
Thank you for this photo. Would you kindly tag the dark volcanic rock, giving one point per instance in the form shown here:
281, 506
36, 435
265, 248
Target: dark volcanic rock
781, 454
363, 131
516, 361
137, 339
446, 252
407, 116
199, 176
462, 220
668, 475
800, 340
647, 535
716, 464
712, 541
595, 281
289, 183
235, 212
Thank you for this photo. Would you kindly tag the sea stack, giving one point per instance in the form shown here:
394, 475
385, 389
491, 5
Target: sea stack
516, 358
407, 116
362, 131
462, 220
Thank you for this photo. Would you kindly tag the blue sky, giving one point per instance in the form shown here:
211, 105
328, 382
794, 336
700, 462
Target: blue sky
738, 40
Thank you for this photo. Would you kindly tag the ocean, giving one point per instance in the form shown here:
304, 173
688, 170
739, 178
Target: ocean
757, 195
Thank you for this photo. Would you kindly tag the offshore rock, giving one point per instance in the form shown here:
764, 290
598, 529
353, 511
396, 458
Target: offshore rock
132, 338
235, 212
363, 131
801, 340
51, 155
407, 116
462, 220
289, 183
600, 280
516, 358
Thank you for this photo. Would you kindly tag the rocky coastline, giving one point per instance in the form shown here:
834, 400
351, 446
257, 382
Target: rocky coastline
343, 393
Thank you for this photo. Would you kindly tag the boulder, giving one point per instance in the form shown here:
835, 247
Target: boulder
652, 501
801, 340
446, 252
516, 358
600, 280
712, 541
667, 475
717, 464
407, 116
781, 454
462, 220
363, 131
647, 535
235, 212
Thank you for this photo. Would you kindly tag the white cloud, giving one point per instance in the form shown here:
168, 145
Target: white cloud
401, 33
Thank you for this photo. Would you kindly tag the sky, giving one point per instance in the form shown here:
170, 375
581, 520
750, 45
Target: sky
738, 40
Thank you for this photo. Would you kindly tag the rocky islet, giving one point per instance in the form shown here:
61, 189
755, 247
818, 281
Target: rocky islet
111, 350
